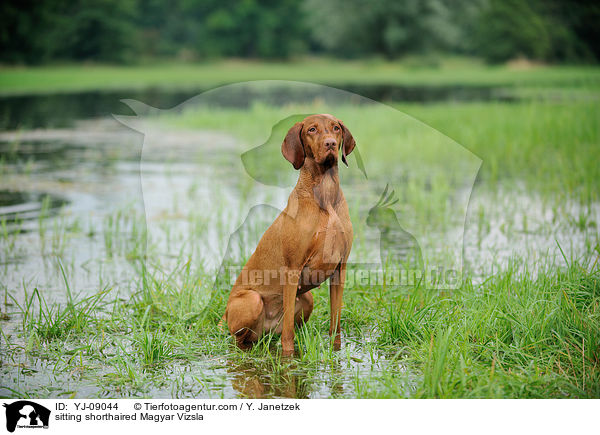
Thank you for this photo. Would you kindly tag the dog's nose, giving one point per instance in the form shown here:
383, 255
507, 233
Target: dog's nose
330, 144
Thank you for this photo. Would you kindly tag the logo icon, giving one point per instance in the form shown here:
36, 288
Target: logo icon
414, 234
26, 414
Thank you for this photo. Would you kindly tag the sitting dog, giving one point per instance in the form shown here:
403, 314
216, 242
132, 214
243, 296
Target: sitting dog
307, 244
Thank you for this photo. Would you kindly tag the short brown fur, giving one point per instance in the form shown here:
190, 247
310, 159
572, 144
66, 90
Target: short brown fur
308, 243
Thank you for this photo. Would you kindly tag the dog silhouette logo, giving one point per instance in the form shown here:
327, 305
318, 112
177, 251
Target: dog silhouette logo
26, 414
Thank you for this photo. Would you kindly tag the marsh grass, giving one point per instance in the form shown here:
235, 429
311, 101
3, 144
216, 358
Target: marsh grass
54, 321
544, 146
517, 331
514, 335
9, 233
547, 145
153, 347
124, 233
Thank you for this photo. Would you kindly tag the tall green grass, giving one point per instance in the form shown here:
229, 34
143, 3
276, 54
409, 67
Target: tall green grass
518, 334
46, 321
551, 147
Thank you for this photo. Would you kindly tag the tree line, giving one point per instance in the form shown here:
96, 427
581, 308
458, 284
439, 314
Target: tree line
128, 31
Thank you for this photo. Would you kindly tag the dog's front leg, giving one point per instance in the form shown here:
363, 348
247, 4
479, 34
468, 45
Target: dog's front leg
290, 289
336, 290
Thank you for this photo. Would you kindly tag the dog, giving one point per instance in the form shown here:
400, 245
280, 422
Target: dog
308, 243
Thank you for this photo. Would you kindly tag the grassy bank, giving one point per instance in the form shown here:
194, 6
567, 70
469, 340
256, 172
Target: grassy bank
455, 72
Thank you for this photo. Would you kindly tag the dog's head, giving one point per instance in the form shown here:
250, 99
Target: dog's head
317, 137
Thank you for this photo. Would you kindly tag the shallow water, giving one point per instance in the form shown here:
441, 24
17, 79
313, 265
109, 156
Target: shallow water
36, 111
100, 187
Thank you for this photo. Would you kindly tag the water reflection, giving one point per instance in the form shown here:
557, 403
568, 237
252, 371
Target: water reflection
289, 379
19, 206
250, 381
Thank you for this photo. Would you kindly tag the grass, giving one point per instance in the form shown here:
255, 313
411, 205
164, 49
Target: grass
410, 72
550, 147
56, 321
515, 335
147, 326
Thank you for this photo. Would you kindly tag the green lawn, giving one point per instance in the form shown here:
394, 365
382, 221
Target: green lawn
73, 78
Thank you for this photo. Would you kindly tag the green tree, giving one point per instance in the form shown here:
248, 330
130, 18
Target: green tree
253, 28
35, 32
129, 30
548, 30
392, 28
100, 30
511, 28
22, 30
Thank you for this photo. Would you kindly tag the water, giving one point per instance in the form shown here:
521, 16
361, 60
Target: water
60, 110
72, 193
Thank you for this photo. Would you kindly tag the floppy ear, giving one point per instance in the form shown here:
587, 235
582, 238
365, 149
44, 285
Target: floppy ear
348, 143
292, 147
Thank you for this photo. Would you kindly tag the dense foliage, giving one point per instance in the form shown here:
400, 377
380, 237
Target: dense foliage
130, 30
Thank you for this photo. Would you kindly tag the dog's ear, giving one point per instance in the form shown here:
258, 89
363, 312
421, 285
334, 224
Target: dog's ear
292, 148
348, 143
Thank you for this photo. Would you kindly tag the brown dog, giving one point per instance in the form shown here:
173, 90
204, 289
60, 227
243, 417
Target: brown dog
308, 243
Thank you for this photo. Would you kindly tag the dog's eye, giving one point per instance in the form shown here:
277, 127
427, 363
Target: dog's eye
336, 128
312, 129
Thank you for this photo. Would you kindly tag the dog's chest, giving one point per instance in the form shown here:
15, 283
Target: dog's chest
331, 245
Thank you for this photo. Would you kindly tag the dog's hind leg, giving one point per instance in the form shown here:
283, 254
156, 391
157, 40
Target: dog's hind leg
245, 317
